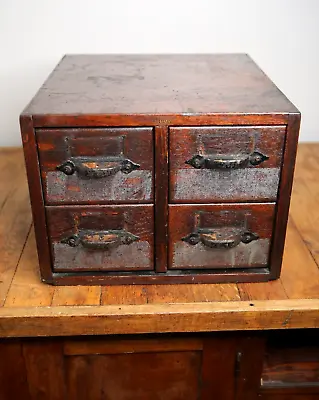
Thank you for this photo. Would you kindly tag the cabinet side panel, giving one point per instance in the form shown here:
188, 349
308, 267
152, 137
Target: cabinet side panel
36, 195
284, 194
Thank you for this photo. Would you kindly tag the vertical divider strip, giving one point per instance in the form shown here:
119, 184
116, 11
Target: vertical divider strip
161, 197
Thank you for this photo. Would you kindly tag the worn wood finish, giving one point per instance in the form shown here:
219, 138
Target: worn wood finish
299, 280
36, 195
282, 305
96, 149
126, 84
158, 318
246, 183
174, 368
161, 197
284, 193
112, 146
97, 223
305, 395
225, 222
291, 361
198, 366
13, 369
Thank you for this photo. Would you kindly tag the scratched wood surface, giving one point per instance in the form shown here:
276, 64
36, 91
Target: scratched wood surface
292, 301
127, 85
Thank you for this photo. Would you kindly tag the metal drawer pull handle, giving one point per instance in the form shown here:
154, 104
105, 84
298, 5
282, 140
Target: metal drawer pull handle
218, 239
226, 162
100, 240
95, 168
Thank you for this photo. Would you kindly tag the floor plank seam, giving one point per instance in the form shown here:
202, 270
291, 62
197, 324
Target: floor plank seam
284, 289
16, 267
304, 241
9, 194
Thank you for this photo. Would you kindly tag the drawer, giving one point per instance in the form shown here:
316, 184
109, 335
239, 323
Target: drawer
220, 236
101, 238
291, 361
225, 164
108, 165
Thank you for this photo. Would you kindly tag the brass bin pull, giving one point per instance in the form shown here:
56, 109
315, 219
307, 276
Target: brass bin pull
97, 167
226, 161
222, 238
100, 240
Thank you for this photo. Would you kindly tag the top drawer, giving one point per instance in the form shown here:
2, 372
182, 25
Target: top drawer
225, 164
108, 165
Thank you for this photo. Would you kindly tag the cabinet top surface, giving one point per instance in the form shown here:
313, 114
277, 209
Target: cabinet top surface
29, 307
158, 84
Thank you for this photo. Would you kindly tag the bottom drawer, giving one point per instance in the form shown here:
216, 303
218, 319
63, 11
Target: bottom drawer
101, 238
220, 235
291, 366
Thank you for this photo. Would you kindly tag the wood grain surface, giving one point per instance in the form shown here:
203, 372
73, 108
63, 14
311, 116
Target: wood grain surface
182, 83
30, 307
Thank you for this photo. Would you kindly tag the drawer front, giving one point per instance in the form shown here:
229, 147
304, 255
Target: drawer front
225, 164
109, 165
101, 238
220, 236
291, 363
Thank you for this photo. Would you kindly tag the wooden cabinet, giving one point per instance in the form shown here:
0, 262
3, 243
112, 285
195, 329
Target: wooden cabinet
291, 366
184, 135
174, 368
226, 366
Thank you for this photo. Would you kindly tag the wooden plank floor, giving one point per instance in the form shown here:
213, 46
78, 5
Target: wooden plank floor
21, 288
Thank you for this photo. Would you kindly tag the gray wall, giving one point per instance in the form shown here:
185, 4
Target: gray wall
281, 35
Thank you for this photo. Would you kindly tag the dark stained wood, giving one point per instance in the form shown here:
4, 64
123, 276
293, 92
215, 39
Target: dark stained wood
289, 395
99, 147
186, 219
248, 183
36, 196
80, 347
13, 374
45, 368
218, 369
161, 198
171, 277
165, 120
249, 362
173, 375
158, 84
284, 193
137, 220
220, 105
291, 361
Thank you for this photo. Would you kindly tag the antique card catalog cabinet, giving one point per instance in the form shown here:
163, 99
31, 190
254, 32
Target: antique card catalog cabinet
159, 169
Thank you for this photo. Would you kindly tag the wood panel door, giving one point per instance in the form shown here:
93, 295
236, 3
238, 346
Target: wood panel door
157, 367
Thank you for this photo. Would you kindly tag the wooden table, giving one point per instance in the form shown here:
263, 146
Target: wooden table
29, 308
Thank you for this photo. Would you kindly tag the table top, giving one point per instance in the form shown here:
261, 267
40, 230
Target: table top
158, 84
29, 307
